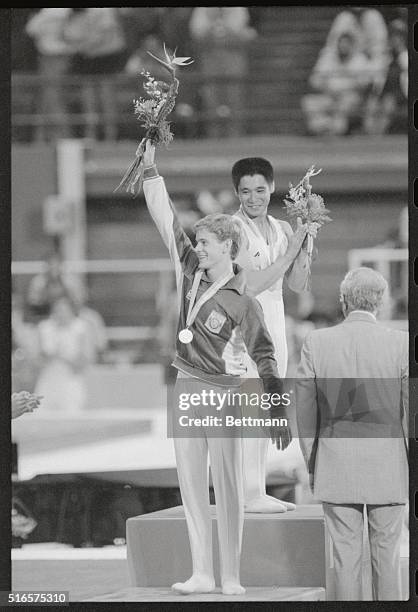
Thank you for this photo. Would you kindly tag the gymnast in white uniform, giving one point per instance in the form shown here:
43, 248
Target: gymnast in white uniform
270, 251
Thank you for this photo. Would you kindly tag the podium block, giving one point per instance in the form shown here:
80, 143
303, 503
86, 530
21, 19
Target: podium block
286, 550
163, 594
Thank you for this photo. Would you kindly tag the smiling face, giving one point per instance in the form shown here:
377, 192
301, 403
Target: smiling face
210, 250
254, 194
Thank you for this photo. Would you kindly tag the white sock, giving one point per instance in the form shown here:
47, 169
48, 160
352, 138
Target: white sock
231, 587
198, 583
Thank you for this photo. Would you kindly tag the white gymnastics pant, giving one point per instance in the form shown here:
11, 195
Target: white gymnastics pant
255, 450
254, 467
225, 455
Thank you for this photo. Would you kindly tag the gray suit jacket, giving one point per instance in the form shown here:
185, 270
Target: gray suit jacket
352, 413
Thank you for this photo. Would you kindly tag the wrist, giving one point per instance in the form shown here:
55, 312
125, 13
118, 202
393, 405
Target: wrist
278, 412
150, 171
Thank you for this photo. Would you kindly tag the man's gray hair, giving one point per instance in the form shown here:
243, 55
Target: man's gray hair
363, 289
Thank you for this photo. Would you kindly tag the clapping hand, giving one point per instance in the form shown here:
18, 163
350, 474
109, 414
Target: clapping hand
297, 239
24, 402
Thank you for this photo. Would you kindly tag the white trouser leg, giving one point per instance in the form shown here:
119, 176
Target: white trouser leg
226, 466
255, 457
192, 469
254, 466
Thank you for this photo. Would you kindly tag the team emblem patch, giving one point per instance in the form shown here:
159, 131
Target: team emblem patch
215, 321
189, 295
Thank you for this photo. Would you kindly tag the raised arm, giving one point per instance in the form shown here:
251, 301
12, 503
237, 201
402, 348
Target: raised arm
164, 216
260, 280
298, 273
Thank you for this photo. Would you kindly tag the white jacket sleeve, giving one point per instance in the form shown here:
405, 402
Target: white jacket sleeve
164, 216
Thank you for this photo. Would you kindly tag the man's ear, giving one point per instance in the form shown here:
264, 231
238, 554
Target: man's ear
227, 245
343, 305
272, 187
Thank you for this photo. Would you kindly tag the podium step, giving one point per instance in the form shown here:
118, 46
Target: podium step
278, 550
252, 594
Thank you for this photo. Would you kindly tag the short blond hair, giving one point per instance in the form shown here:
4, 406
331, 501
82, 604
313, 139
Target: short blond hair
224, 227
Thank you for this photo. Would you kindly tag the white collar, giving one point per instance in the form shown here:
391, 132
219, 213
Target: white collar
364, 312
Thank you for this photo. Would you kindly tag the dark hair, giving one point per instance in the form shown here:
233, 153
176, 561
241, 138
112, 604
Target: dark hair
250, 166
224, 227
348, 35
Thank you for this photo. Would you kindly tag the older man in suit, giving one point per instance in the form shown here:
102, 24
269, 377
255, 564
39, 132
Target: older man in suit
352, 393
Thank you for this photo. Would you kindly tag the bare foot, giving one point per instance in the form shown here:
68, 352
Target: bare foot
232, 588
265, 504
195, 584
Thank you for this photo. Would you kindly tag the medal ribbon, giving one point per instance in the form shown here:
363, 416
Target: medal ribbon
268, 248
214, 288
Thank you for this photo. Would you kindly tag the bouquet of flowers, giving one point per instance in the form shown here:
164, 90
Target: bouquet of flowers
153, 112
310, 207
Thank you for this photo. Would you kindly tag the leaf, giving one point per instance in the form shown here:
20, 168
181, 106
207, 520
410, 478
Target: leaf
169, 59
182, 61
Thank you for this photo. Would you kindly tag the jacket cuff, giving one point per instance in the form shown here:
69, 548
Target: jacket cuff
150, 172
273, 385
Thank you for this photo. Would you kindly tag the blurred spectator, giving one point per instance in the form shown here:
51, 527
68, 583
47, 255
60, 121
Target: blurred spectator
24, 348
46, 28
390, 108
207, 203
138, 23
341, 76
66, 351
170, 24
98, 38
223, 201
23, 402
368, 27
22, 332
221, 36
174, 28
49, 285
96, 328
397, 237
140, 60
397, 275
